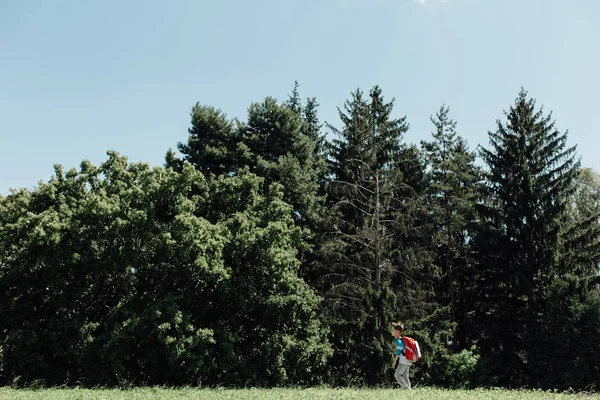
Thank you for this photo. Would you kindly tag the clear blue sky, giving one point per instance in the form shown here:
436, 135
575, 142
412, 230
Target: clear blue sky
80, 77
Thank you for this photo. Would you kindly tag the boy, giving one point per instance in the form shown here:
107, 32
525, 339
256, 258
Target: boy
401, 373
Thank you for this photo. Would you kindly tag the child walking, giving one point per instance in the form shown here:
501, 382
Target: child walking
403, 366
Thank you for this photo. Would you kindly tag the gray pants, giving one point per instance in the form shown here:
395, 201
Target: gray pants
401, 375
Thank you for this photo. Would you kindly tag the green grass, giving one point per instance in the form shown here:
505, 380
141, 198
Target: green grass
285, 394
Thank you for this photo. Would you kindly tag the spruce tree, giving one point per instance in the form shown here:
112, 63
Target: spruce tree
572, 312
294, 101
312, 127
452, 182
524, 241
362, 252
583, 220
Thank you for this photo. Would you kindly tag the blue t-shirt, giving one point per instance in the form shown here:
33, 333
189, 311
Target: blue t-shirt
399, 346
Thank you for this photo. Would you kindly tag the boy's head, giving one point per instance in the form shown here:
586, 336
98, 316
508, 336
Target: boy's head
397, 329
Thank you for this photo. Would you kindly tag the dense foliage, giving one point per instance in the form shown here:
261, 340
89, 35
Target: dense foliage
266, 253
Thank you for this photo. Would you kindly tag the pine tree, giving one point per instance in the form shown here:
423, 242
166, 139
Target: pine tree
211, 145
363, 255
172, 161
294, 102
313, 126
572, 312
583, 221
453, 179
274, 146
524, 241
278, 142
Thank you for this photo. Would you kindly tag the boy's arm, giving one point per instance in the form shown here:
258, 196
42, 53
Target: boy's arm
399, 349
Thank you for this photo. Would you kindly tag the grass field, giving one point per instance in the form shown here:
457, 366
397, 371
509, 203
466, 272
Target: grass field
286, 394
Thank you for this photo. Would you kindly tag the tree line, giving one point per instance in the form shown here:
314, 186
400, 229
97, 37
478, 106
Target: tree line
279, 249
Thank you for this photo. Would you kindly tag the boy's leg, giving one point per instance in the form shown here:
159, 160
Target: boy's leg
401, 375
405, 375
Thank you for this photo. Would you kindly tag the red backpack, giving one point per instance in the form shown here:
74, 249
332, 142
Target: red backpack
412, 352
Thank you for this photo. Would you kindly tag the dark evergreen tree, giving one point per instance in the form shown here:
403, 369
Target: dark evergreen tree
525, 242
312, 127
278, 142
294, 101
309, 115
274, 146
211, 145
364, 252
452, 179
172, 161
573, 312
